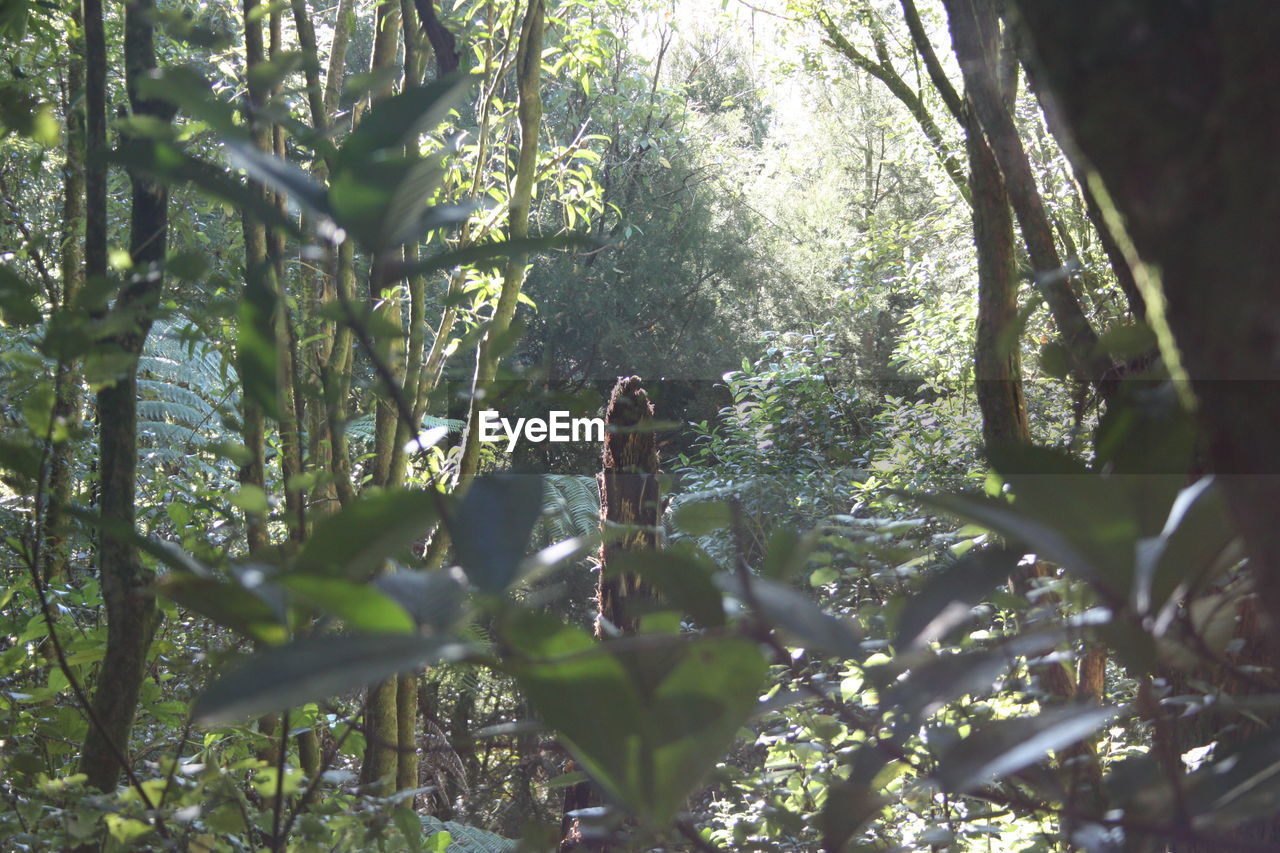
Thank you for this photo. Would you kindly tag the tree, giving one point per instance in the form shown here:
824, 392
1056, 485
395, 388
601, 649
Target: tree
129, 604
1129, 88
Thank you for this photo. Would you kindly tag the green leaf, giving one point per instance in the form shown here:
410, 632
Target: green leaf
387, 202
492, 527
646, 717
1125, 341
943, 679
20, 457
167, 163
944, 602
853, 802
315, 669
1049, 540
1001, 747
279, 175
700, 518
191, 92
397, 121
432, 599
1199, 530
361, 607
257, 360
1238, 786
355, 541
685, 582
797, 616
226, 603
788, 553
272, 72
17, 300
1055, 361
406, 820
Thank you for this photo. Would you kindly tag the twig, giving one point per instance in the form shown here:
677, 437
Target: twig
277, 809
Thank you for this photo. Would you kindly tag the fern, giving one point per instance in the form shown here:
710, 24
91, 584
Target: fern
183, 384
571, 506
361, 428
468, 839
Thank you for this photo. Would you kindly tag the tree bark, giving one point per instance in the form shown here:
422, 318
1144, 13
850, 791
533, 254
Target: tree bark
975, 36
1172, 115
69, 396
629, 495
529, 113
996, 360
130, 607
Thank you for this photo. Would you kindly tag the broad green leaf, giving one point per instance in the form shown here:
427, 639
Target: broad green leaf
1047, 540
682, 580
20, 457
190, 91
397, 121
1094, 512
1126, 341
1001, 747
492, 527
1197, 533
315, 669
279, 175
269, 73
947, 598
1241, 785
788, 553
583, 692
387, 202
355, 541
797, 616
694, 716
361, 607
944, 679
257, 361
432, 599
406, 820
169, 164
226, 603
853, 802
1055, 361
702, 517
17, 300
646, 717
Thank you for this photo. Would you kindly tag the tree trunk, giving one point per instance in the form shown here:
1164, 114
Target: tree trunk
628, 496
382, 768
997, 365
1173, 115
529, 112
130, 606
975, 36
68, 394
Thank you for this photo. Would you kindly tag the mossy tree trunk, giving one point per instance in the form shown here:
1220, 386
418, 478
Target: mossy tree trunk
68, 395
629, 496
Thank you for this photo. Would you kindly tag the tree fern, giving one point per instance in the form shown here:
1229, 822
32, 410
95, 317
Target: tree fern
571, 506
468, 839
184, 386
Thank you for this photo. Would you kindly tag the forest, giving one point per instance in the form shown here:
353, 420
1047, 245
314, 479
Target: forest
515, 426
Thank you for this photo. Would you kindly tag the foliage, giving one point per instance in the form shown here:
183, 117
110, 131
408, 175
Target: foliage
865, 630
